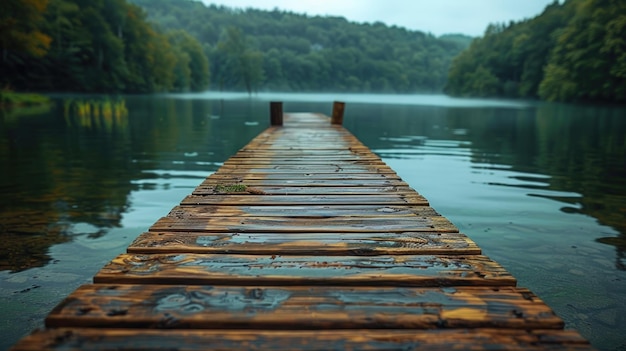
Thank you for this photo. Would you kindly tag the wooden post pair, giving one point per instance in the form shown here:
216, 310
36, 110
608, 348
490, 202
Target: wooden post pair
276, 113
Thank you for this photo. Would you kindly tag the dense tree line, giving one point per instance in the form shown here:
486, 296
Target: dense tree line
277, 50
94, 46
574, 51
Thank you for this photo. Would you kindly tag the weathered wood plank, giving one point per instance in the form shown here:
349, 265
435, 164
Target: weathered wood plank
79, 339
257, 307
314, 200
280, 159
287, 162
245, 176
304, 211
357, 244
313, 147
422, 270
313, 154
319, 169
305, 225
319, 190
214, 180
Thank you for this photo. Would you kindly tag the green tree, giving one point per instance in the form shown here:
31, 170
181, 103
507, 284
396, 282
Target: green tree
239, 63
193, 66
589, 60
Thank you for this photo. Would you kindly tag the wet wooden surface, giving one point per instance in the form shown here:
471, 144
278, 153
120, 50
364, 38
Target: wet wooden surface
324, 244
303, 240
96, 339
280, 269
301, 308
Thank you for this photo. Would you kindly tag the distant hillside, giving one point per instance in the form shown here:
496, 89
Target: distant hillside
276, 50
573, 51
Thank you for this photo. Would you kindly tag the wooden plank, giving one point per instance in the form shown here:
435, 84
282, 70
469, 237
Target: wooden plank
305, 225
313, 139
303, 182
299, 169
347, 244
297, 145
303, 211
310, 159
289, 162
315, 200
249, 152
257, 307
286, 163
303, 142
79, 339
245, 176
319, 190
422, 270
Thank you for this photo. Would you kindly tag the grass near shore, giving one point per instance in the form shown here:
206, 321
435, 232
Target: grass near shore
10, 99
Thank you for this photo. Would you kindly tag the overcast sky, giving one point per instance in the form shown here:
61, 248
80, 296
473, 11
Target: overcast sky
438, 17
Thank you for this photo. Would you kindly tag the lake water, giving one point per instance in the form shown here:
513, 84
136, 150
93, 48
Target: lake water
540, 187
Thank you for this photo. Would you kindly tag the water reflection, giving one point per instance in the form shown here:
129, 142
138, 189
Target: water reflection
78, 163
55, 178
575, 155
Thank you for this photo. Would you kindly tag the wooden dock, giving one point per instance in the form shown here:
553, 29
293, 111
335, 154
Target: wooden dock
303, 240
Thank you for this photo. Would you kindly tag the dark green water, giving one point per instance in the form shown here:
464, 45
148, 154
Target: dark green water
540, 187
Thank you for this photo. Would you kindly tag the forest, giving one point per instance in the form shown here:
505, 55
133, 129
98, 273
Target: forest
94, 46
573, 51
140, 46
293, 52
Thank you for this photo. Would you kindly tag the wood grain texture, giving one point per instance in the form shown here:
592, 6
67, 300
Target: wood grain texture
405, 270
304, 211
319, 190
243, 175
312, 154
217, 179
335, 244
301, 169
254, 307
279, 159
304, 224
79, 339
273, 200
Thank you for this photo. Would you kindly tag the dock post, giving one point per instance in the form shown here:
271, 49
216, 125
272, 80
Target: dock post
337, 117
276, 113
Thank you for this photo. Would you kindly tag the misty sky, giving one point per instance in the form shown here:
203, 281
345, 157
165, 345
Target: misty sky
438, 17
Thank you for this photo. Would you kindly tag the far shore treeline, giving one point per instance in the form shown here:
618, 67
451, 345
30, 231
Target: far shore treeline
573, 51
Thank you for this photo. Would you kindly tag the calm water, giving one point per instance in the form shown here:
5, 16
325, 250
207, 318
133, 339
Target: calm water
540, 187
